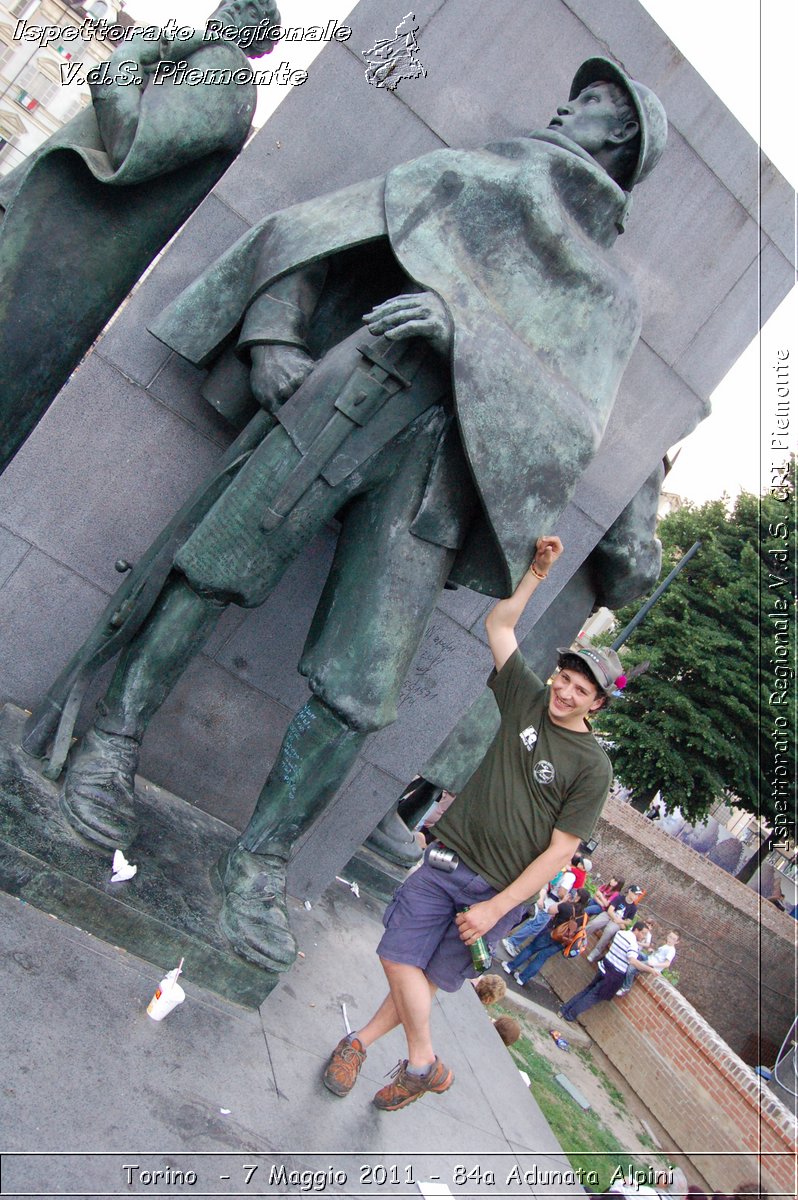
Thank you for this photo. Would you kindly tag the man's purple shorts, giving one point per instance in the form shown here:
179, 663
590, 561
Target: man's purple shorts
419, 923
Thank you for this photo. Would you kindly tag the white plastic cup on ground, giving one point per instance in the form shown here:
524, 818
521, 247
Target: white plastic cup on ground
168, 995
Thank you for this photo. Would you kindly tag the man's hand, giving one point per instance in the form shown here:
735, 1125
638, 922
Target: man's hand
478, 920
277, 371
547, 550
420, 314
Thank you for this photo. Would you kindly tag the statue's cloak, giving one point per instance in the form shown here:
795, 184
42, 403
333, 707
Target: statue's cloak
515, 239
76, 233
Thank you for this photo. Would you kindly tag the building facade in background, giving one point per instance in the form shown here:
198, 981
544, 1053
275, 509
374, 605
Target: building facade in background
35, 97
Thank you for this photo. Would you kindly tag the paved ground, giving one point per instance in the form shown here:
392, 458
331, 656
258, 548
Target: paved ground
218, 1089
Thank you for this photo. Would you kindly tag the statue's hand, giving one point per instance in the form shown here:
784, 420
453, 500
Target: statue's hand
420, 314
276, 373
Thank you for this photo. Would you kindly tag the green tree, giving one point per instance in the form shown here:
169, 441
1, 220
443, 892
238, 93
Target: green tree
699, 724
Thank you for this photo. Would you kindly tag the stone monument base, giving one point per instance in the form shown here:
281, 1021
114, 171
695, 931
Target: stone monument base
169, 910
374, 874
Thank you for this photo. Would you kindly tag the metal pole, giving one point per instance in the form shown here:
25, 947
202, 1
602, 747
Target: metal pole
654, 597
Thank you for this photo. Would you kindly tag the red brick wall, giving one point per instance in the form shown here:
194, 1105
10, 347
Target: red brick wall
710, 1101
737, 953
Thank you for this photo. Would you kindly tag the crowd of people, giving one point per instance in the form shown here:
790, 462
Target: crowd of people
561, 921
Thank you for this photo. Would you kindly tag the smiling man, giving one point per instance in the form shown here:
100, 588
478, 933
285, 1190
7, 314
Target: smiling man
536, 794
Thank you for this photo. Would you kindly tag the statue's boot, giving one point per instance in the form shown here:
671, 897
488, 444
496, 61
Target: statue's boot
317, 752
99, 788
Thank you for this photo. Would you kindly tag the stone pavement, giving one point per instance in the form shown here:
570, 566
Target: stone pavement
217, 1089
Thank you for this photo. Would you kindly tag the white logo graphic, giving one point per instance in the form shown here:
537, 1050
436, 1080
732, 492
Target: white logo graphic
544, 771
393, 59
529, 736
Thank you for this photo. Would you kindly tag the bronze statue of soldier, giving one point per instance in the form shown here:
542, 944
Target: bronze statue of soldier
446, 436
85, 214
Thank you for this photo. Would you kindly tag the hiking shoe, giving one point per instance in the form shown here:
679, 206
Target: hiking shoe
406, 1087
343, 1068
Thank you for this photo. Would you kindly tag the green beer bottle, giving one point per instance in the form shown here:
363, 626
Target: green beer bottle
480, 954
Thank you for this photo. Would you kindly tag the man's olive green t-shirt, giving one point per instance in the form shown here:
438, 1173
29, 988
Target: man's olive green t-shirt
536, 777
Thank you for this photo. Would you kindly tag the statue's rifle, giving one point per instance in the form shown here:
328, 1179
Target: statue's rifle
52, 721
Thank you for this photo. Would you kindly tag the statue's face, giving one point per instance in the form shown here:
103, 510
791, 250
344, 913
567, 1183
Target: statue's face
591, 120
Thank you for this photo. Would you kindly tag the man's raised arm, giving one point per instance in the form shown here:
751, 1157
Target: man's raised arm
502, 619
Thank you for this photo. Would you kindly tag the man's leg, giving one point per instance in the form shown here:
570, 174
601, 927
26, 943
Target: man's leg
602, 987
527, 929
349, 1055
98, 789
595, 926
412, 994
582, 1001
537, 961
603, 942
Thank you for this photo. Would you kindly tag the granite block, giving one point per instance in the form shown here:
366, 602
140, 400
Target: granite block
47, 611
127, 342
118, 465
448, 671
735, 322
333, 131
687, 241
168, 910
99, 1017
216, 1080
178, 385
423, 1128
776, 212
12, 551
465, 607
370, 20
486, 90
213, 741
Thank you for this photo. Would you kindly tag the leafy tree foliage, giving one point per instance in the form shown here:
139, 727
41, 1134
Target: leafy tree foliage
716, 706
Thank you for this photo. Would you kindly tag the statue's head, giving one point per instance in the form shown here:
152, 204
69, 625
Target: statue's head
250, 17
617, 120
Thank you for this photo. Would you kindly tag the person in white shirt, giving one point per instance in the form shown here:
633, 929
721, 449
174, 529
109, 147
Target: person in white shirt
623, 952
661, 958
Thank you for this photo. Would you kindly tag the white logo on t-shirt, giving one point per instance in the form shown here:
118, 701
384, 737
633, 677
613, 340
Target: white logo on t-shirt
529, 736
543, 771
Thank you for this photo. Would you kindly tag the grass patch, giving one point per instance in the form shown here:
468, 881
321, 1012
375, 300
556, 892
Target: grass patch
587, 1143
614, 1093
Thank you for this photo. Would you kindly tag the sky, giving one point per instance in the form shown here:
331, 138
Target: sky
745, 50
